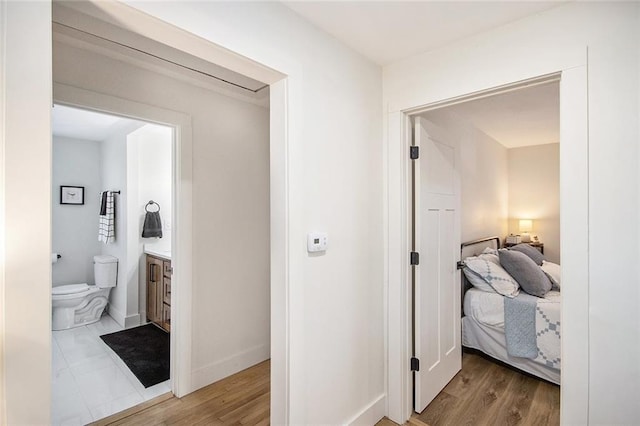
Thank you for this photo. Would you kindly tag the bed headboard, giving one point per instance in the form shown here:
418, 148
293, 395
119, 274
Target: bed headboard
474, 248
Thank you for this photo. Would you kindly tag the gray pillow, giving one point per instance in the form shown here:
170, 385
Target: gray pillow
532, 252
524, 270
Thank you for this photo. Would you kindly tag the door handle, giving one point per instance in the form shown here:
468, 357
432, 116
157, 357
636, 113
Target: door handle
152, 272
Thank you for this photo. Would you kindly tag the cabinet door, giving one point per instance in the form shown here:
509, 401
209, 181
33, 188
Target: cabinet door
166, 317
154, 289
166, 297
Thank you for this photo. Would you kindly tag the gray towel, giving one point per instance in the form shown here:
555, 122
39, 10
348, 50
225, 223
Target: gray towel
520, 325
152, 225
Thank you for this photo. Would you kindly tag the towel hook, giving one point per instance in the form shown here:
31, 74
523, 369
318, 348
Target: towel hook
151, 203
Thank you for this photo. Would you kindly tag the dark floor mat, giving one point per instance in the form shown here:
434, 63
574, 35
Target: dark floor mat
145, 350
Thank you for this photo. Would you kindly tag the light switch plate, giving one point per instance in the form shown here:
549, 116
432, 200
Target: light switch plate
317, 241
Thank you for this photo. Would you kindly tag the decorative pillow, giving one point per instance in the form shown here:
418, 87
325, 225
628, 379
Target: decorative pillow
477, 281
553, 272
528, 275
490, 250
491, 255
493, 274
532, 252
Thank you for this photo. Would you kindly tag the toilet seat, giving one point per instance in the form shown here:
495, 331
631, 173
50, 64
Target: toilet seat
69, 289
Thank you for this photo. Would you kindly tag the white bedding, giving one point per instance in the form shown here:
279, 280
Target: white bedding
483, 329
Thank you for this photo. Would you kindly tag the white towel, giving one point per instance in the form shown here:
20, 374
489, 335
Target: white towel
107, 227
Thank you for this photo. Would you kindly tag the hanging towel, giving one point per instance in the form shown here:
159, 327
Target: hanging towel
152, 225
103, 204
107, 226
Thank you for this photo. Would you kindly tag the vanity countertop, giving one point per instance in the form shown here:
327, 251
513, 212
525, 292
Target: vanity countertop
158, 252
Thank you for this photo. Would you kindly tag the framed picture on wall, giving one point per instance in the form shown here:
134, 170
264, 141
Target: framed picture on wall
71, 194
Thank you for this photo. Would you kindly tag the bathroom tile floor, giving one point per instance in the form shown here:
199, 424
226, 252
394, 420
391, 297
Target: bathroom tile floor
89, 381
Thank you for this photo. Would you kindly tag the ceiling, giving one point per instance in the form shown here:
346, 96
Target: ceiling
82, 124
524, 117
388, 31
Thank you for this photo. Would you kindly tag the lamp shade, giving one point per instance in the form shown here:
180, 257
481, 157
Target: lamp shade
525, 225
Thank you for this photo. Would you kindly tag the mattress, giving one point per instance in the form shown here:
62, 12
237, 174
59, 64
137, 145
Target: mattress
483, 329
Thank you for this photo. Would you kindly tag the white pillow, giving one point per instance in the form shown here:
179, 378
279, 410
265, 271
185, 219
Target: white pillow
493, 274
477, 281
490, 250
553, 272
491, 255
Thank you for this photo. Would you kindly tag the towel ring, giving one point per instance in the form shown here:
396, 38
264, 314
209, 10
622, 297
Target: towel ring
151, 203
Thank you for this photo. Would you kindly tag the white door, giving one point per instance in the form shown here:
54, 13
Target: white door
437, 281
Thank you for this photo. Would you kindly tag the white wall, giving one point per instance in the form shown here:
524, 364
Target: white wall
75, 227
552, 41
154, 163
484, 178
149, 166
334, 158
25, 205
123, 299
534, 193
230, 212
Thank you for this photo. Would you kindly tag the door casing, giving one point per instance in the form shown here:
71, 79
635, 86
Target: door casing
574, 228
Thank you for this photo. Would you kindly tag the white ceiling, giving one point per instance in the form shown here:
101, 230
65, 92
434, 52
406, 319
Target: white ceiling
388, 31
81, 124
524, 117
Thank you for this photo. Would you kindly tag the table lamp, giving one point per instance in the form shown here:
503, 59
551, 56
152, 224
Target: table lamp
525, 225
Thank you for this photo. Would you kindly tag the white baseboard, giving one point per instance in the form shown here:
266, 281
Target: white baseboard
371, 414
122, 319
132, 321
218, 370
116, 315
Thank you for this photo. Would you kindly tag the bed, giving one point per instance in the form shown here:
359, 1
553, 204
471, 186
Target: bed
490, 318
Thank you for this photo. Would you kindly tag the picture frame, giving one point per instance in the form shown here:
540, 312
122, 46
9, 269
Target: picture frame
71, 194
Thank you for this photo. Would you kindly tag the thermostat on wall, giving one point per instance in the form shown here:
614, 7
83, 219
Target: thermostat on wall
317, 241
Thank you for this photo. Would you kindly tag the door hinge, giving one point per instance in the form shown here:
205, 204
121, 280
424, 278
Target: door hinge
460, 264
415, 364
414, 258
414, 152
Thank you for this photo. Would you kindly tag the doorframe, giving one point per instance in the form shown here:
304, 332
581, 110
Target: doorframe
574, 226
134, 20
182, 232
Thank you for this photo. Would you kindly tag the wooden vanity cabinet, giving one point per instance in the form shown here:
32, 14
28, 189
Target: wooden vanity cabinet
159, 291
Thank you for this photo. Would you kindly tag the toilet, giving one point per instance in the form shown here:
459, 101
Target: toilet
74, 305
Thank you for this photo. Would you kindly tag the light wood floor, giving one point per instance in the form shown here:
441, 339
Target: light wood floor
482, 393
241, 399
487, 393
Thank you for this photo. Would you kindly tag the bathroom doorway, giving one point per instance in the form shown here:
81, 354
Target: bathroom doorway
222, 188
112, 181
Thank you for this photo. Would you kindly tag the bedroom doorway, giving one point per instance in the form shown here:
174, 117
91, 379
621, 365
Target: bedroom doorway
503, 156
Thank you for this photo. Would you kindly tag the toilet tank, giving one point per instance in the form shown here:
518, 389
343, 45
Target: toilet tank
105, 270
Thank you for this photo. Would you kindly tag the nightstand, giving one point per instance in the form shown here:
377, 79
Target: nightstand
537, 246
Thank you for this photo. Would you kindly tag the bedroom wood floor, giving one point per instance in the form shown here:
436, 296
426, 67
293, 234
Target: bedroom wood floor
487, 393
482, 393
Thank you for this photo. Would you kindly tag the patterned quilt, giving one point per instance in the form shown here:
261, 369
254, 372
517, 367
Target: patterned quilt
532, 328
